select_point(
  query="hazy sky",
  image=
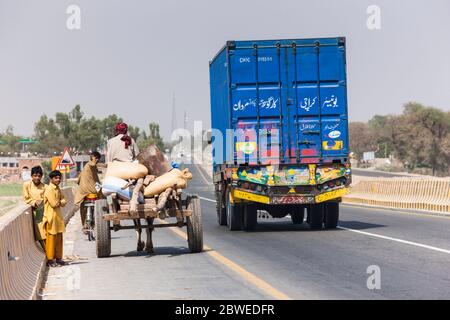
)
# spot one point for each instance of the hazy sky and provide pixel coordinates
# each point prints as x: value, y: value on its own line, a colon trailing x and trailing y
x: 130, y: 56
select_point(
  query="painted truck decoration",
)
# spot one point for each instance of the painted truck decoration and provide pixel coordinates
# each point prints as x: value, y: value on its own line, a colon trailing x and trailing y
x: 286, y: 104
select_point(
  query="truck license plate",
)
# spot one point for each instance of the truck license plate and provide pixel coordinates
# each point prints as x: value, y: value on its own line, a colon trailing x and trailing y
x: 292, y: 200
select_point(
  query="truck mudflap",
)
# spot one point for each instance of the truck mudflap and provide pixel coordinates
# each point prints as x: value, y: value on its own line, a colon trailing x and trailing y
x: 243, y: 195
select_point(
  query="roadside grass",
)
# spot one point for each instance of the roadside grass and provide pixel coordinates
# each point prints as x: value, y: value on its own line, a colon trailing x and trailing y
x: 10, y: 189
x: 10, y: 196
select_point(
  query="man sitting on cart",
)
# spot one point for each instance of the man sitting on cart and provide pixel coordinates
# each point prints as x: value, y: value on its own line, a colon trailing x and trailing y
x: 122, y: 147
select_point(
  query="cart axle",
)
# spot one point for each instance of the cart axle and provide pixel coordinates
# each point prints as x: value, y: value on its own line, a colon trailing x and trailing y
x: 168, y: 225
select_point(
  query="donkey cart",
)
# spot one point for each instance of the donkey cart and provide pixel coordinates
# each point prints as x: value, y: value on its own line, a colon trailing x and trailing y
x: 110, y: 212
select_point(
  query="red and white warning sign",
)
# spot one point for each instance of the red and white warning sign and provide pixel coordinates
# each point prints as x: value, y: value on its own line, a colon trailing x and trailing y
x: 65, y: 161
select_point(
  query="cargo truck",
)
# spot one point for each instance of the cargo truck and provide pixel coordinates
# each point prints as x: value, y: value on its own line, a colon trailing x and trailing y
x: 280, y: 131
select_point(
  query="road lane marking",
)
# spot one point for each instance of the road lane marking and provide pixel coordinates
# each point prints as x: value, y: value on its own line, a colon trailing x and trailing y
x: 249, y: 277
x: 207, y: 199
x: 420, y: 245
x: 398, y: 240
x: 202, y: 174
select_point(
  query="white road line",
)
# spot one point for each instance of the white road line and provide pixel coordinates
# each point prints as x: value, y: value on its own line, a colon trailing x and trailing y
x: 420, y: 245
x: 202, y: 174
x: 397, y: 240
x: 206, y: 199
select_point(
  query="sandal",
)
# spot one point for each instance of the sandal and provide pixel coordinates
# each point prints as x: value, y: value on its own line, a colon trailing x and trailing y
x: 52, y: 264
x: 61, y: 262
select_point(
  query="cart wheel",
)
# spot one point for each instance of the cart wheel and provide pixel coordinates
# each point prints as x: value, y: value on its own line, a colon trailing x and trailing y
x: 103, y: 233
x: 194, y: 226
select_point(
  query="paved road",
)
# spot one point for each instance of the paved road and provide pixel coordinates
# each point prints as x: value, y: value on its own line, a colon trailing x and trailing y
x: 381, y: 174
x: 278, y: 260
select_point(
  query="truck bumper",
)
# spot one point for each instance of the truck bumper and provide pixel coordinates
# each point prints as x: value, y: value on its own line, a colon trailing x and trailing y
x: 244, y: 195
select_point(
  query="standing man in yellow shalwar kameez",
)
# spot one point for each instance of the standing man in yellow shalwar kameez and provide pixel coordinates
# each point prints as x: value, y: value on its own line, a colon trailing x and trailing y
x: 33, y: 195
x: 53, y: 220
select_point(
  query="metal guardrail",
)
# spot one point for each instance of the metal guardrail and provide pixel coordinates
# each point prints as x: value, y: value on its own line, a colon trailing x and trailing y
x: 22, y: 260
x: 404, y: 193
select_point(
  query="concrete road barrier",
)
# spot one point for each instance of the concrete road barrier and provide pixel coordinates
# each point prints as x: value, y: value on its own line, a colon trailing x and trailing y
x: 405, y: 193
x: 22, y: 259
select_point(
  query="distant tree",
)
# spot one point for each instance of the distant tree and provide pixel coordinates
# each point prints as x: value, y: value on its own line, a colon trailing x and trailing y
x: 64, y: 124
x: 9, y: 142
x: 134, y: 132
x: 84, y: 134
x: 432, y: 128
x: 48, y: 136
x: 108, y: 125
x: 89, y: 135
x: 153, y: 137
x: 378, y: 125
x: 361, y: 138
x: 419, y: 137
x: 446, y: 150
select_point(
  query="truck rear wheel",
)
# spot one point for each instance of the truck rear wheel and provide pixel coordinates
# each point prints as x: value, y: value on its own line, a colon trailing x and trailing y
x: 221, y: 210
x: 250, y: 217
x: 298, y: 215
x: 234, y: 214
x: 315, y: 216
x: 102, y: 231
x: 331, y: 217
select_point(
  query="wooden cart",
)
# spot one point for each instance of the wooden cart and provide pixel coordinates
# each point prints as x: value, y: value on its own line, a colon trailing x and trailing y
x: 171, y: 204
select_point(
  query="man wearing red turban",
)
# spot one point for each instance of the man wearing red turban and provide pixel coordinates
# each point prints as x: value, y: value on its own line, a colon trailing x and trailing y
x: 122, y: 147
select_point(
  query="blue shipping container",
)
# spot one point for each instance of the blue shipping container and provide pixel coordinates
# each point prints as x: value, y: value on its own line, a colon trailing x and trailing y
x: 297, y: 87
